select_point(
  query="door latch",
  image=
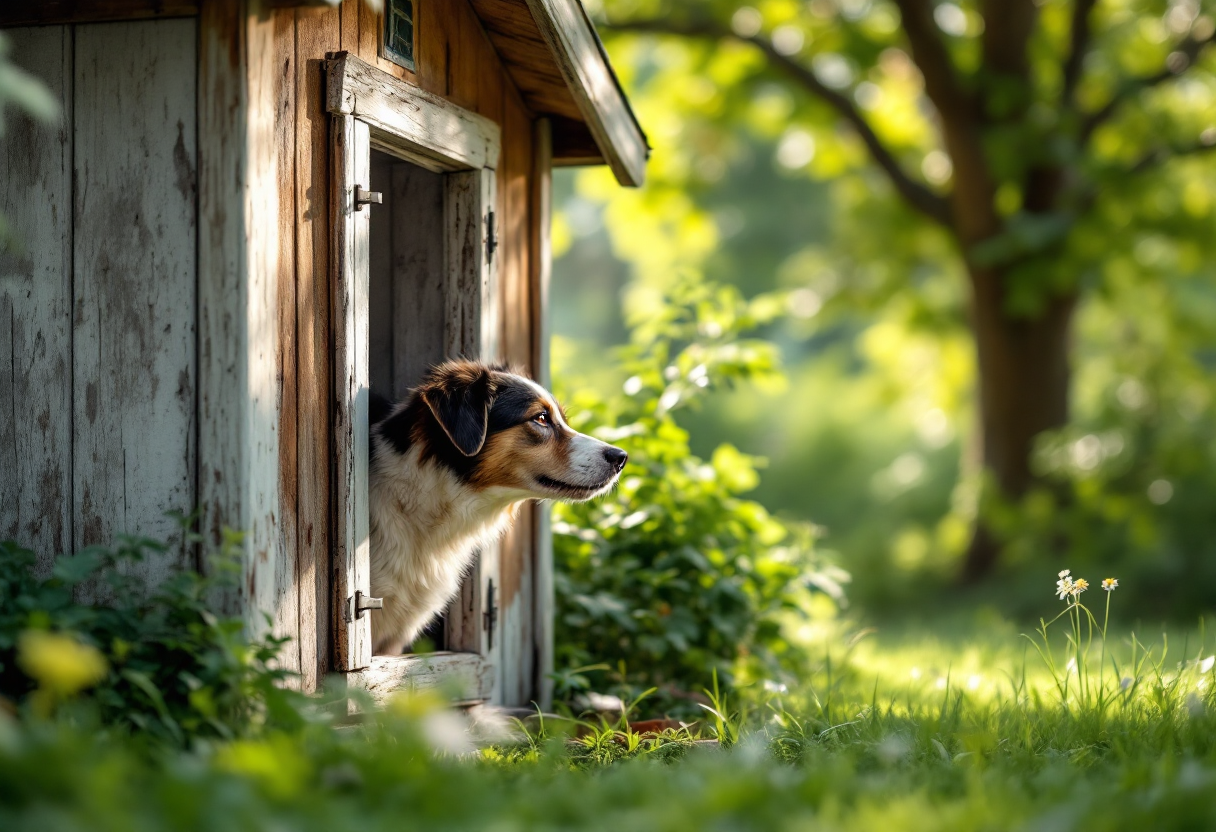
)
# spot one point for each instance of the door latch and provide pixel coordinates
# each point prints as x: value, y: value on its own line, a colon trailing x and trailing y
x: 491, y: 238
x: 364, y: 197
x: 360, y: 603
x: 489, y: 618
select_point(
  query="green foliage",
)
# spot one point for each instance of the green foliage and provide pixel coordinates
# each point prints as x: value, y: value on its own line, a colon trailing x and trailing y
x: 157, y: 663
x: 1128, y: 484
x: 838, y: 751
x: 757, y: 184
x: 676, y: 575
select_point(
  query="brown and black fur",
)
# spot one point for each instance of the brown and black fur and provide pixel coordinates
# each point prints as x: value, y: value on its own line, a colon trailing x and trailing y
x: 450, y: 464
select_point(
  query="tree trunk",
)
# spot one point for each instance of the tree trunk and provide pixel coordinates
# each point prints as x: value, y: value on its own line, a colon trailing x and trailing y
x: 1023, y: 385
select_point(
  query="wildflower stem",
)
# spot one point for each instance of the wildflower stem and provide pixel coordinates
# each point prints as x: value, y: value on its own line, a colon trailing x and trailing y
x: 1102, y: 662
x: 1076, y: 643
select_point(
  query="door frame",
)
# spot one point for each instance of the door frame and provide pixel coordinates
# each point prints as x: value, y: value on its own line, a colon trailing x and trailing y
x: 370, y: 108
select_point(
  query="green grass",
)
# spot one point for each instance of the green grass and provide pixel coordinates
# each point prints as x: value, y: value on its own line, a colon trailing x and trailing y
x: 956, y: 726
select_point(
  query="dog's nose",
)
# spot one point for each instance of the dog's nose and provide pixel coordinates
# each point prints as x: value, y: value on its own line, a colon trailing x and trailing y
x: 616, y: 457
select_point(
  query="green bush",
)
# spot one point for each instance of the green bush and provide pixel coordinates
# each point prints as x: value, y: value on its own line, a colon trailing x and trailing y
x: 675, y: 575
x: 844, y: 750
x: 158, y: 662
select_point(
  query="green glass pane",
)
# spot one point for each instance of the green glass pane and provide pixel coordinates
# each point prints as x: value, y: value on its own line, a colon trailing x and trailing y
x: 399, y: 32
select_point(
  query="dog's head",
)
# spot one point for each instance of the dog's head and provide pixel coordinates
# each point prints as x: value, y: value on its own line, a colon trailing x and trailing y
x: 499, y: 430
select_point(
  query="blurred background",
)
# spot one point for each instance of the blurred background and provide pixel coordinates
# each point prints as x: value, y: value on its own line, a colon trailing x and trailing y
x: 805, y: 298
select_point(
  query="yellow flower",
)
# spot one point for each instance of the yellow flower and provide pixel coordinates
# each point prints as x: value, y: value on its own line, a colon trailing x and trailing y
x: 58, y: 662
x: 1079, y: 586
x: 1110, y: 584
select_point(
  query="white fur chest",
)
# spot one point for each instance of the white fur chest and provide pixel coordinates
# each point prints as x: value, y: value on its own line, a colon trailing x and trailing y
x: 426, y: 526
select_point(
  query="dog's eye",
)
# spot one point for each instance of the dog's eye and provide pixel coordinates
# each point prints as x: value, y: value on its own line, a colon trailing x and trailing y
x: 542, y: 418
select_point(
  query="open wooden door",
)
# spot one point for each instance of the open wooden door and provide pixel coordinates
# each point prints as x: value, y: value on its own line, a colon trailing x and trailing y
x: 444, y: 305
x: 352, y: 571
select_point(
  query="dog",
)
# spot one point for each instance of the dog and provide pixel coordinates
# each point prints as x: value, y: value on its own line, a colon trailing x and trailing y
x: 450, y: 465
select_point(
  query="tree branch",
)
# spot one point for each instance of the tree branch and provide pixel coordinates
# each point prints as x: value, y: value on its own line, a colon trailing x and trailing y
x: 930, y: 56
x: 1008, y: 25
x: 914, y: 193
x: 1181, y: 58
x: 974, y: 214
x: 1155, y: 158
x: 1080, y: 35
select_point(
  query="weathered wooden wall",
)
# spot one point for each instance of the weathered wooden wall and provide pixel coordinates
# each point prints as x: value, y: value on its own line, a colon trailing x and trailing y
x: 238, y: 252
x: 166, y: 335
x: 98, y: 311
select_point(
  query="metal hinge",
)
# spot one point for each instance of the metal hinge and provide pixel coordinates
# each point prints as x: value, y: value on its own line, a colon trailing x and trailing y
x: 491, y: 238
x: 489, y: 618
x: 364, y: 197
x: 359, y: 603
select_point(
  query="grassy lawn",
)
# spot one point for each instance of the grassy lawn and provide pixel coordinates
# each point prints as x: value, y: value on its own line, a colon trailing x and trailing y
x: 955, y: 726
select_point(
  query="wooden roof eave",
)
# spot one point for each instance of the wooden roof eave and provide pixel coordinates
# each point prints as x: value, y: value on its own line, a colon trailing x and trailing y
x: 556, y: 59
x: 584, y: 65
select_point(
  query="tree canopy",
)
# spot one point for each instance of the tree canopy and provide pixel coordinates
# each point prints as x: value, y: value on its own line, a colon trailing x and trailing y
x: 967, y: 171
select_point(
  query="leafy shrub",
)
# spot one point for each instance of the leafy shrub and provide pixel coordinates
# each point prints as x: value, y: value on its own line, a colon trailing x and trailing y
x: 675, y: 575
x: 157, y: 662
x: 842, y: 752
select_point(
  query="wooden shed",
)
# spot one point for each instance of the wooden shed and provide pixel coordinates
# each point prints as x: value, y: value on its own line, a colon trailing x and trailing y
x: 250, y: 213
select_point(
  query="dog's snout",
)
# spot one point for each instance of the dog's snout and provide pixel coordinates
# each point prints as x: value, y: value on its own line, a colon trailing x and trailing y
x: 616, y: 457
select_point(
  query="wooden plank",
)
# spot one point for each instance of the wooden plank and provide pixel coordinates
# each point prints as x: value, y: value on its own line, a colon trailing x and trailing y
x: 381, y: 286
x: 571, y: 36
x: 472, y: 326
x: 36, y: 309
x: 514, y: 278
x: 472, y: 330
x: 135, y: 364
x: 526, y: 56
x: 287, y: 590
x: 369, y: 34
x: 419, y: 280
x: 489, y: 348
x: 540, y: 219
x: 544, y: 93
x: 491, y: 85
x: 465, y: 678
x: 352, y: 149
x: 221, y: 233
x: 48, y: 12
x: 465, y: 253
x: 317, y: 34
x: 261, y: 429
x: 432, y: 37
x: 513, y: 631
x: 510, y: 18
x: 238, y: 271
x: 349, y: 11
x: 469, y: 54
x: 410, y: 122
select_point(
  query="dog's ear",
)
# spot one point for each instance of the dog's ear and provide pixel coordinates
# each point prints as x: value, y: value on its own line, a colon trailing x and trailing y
x: 459, y: 396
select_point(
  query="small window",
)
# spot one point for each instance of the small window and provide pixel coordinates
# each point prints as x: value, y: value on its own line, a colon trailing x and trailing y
x: 399, y: 33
